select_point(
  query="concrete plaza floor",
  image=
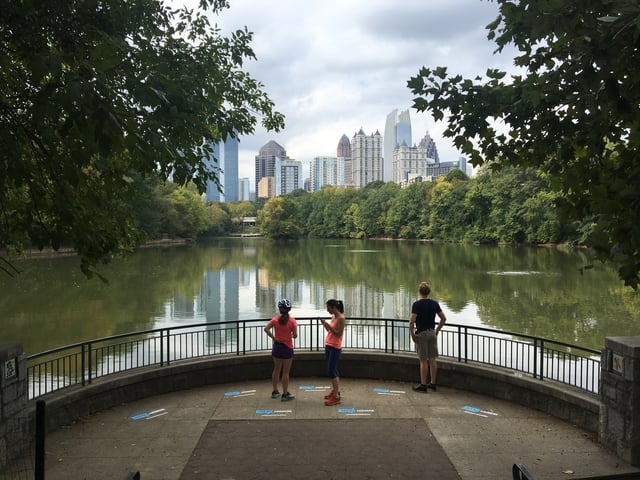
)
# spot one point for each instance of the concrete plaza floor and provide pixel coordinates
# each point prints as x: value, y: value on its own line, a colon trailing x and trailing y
x: 380, y: 430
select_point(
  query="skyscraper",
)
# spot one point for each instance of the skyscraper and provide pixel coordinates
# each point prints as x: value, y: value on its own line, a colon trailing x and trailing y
x: 344, y: 152
x: 288, y: 175
x: 428, y: 143
x: 276, y: 174
x: 397, y: 132
x: 226, y: 167
x: 409, y: 162
x: 327, y: 171
x: 266, y: 160
x: 366, y: 154
x: 244, y: 189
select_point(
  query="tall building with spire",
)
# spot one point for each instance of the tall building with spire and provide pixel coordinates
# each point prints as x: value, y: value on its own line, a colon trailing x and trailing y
x: 430, y: 147
x: 344, y: 147
x: 344, y: 151
x: 397, y: 132
x: 366, y: 154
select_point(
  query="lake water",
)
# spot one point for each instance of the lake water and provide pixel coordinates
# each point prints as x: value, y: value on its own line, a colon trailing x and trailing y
x: 537, y: 291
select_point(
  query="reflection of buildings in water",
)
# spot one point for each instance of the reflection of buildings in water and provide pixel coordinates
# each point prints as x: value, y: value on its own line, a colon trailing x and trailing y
x: 320, y: 295
x: 366, y: 302
x: 400, y: 303
x: 181, y: 308
x: 268, y: 293
x: 360, y: 300
x: 245, y: 278
x: 218, y: 298
x: 265, y: 296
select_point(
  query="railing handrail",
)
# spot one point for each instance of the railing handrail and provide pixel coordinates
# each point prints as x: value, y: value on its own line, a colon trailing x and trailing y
x: 233, y: 322
x: 81, y: 362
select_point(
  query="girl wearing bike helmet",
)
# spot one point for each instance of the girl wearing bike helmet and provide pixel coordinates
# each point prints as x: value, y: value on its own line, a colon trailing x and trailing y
x: 282, y: 329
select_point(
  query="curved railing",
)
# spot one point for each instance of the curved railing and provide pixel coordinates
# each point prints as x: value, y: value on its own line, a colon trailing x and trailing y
x: 81, y: 363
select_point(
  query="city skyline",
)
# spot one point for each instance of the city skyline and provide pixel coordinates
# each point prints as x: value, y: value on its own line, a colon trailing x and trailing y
x: 334, y: 67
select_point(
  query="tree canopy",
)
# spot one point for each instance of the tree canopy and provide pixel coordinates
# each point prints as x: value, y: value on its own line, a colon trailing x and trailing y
x: 573, y: 113
x: 93, y: 92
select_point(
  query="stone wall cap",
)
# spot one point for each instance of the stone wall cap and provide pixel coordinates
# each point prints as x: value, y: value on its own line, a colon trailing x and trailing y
x: 628, y: 346
x: 10, y: 350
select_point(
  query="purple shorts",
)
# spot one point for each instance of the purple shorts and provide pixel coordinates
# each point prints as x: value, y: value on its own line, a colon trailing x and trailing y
x: 280, y: 350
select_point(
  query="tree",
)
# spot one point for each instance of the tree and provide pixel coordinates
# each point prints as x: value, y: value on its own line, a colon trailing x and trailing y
x: 573, y: 113
x: 447, y: 219
x: 408, y: 213
x: 92, y: 93
x: 187, y: 216
x: 277, y: 219
x: 218, y: 218
x: 378, y: 198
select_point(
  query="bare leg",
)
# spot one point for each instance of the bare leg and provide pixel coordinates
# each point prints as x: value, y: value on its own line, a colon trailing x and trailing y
x: 335, y: 382
x: 433, y: 370
x: 424, y: 369
x: 286, y: 367
x: 275, y: 376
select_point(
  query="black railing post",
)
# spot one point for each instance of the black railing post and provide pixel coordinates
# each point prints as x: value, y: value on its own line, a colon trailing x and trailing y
x: 238, y: 338
x: 466, y: 345
x: 161, y: 348
x: 90, y: 361
x: 386, y: 337
x: 541, y: 359
x: 82, y: 354
x: 40, y: 431
x: 244, y: 338
x: 394, y: 329
x: 168, y: 346
x: 535, y: 357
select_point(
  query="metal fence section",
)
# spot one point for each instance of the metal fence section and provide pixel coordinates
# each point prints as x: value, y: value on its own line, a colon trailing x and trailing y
x: 80, y: 363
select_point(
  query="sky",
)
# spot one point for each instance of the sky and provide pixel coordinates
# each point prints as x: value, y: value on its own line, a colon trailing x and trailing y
x: 335, y: 66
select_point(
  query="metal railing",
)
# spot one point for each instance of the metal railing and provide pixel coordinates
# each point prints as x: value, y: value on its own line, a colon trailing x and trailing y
x: 81, y: 363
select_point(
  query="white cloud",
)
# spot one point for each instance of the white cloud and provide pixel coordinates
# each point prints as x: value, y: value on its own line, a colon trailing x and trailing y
x: 334, y: 66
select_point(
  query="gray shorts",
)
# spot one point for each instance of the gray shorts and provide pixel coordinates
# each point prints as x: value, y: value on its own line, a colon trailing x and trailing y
x: 427, y: 344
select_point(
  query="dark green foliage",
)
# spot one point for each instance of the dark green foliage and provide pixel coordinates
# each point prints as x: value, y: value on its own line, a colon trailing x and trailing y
x: 95, y: 94
x: 572, y: 114
x: 278, y: 218
x: 507, y: 206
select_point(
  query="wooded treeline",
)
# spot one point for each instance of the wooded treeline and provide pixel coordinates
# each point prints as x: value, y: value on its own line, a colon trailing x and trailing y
x: 507, y: 206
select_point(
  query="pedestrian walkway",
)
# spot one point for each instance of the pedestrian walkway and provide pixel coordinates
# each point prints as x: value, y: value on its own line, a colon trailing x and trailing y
x: 380, y: 430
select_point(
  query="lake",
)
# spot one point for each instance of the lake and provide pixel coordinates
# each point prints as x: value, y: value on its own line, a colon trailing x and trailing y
x: 537, y: 291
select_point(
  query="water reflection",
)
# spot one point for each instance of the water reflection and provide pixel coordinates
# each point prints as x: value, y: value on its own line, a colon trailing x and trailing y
x: 527, y: 290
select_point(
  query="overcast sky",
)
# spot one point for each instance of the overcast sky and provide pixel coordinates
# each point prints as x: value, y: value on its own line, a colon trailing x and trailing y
x: 334, y: 66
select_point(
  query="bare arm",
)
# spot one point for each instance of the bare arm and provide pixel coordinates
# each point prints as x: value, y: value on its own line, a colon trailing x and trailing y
x: 443, y: 320
x: 267, y: 329
x: 412, y: 326
x: 339, y: 328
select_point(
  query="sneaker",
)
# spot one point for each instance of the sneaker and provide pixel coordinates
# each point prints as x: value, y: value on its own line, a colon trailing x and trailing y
x: 275, y: 394
x: 332, y: 401
x: 421, y: 388
x: 330, y: 395
x: 431, y: 386
x: 287, y: 396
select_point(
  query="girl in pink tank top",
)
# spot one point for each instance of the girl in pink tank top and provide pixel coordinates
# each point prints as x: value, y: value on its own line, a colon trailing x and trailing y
x: 333, y: 347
